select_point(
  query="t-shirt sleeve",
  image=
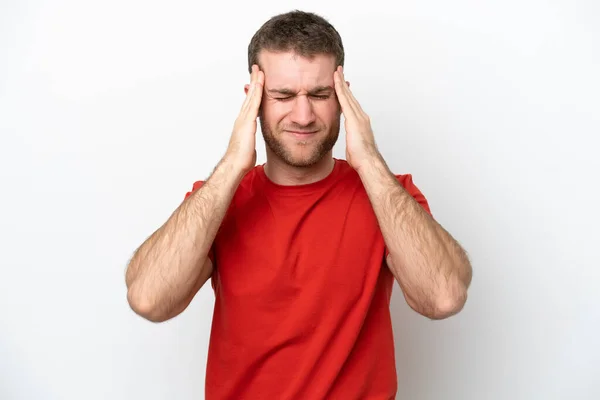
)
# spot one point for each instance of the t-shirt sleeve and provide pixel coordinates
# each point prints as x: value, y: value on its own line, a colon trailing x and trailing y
x: 407, y: 183
x: 197, y: 185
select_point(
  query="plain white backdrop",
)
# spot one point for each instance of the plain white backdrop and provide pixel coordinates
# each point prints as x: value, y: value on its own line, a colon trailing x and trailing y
x: 109, y: 111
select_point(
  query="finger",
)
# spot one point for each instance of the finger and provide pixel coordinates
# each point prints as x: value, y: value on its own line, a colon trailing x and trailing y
x: 257, y: 93
x: 246, y: 102
x: 342, y: 93
x: 351, y: 99
x: 352, y: 103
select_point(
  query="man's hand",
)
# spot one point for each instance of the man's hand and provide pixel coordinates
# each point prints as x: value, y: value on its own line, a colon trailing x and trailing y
x: 242, y: 145
x: 360, y: 141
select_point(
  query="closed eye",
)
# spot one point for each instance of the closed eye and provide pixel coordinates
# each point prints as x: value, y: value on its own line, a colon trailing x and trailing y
x: 314, y: 96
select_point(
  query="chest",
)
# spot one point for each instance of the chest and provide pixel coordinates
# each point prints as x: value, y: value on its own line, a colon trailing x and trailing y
x: 286, y: 247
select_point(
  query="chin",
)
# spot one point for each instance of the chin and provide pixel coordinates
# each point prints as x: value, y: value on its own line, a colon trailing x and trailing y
x: 299, y: 153
x: 301, y: 160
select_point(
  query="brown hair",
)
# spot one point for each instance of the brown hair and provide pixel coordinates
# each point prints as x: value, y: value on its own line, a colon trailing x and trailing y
x: 306, y: 34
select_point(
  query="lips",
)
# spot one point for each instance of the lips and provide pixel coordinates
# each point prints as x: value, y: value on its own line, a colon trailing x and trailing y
x: 302, y: 134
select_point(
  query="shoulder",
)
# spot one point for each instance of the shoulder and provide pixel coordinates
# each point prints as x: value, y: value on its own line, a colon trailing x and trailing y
x: 247, y: 183
x: 406, y: 180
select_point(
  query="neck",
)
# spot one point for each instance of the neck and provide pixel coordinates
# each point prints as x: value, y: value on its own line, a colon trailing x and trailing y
x: 284, y: 174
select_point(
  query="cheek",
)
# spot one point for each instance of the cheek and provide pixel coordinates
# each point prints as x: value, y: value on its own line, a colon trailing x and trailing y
x: 275, y: 109
x: 327, y: 110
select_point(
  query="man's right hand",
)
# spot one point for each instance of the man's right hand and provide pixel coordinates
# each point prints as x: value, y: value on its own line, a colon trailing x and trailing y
x: 169, y: 268
x: 242, y: 145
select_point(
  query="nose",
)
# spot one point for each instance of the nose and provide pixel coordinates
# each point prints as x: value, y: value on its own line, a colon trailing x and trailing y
x: 302, y: 111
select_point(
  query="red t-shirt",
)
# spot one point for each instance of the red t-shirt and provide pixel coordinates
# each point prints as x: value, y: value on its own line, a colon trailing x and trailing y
x: 302, y: 293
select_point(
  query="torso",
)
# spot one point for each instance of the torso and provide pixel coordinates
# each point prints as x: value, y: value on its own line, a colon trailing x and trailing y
x: 302, y: 294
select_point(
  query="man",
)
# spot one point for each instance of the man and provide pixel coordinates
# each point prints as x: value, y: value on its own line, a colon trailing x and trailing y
x: 302, y: 251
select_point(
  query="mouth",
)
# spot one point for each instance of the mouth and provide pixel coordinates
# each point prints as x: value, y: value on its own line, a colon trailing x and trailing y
x: 302, y: 134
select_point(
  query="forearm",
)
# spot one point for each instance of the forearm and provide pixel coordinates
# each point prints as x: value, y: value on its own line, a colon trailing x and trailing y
x: 430, y: 266
x: 166, y: 268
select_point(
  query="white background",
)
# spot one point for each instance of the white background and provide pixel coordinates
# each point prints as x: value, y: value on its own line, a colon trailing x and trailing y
x: 110, y: 110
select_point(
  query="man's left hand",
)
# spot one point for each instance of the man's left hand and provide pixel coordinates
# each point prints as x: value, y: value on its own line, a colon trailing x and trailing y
x: 360, y: 141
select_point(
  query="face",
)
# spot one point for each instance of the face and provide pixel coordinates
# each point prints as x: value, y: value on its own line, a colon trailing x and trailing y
x: 300, y: 113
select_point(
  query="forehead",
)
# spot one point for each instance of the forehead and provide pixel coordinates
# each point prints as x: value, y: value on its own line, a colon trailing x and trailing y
x: 290, y: 70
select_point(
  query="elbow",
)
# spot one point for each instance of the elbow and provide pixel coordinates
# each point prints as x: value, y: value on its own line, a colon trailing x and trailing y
x: 443, y: 305
x: 448, y: 305
x: 144, y: 307
x: 451, y: 300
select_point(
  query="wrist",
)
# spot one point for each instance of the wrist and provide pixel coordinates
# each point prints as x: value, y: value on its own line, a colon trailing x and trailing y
x: 231, y: 167
x: 373, y: 164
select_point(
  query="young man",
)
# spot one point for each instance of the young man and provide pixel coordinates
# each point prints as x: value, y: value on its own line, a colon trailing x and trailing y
x: 302, y: 251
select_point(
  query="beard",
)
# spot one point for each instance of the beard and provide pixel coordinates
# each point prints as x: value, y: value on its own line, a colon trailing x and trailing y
x: 313, y: 150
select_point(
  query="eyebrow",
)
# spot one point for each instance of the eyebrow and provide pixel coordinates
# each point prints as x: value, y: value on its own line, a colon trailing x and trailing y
x: 289, y: 92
